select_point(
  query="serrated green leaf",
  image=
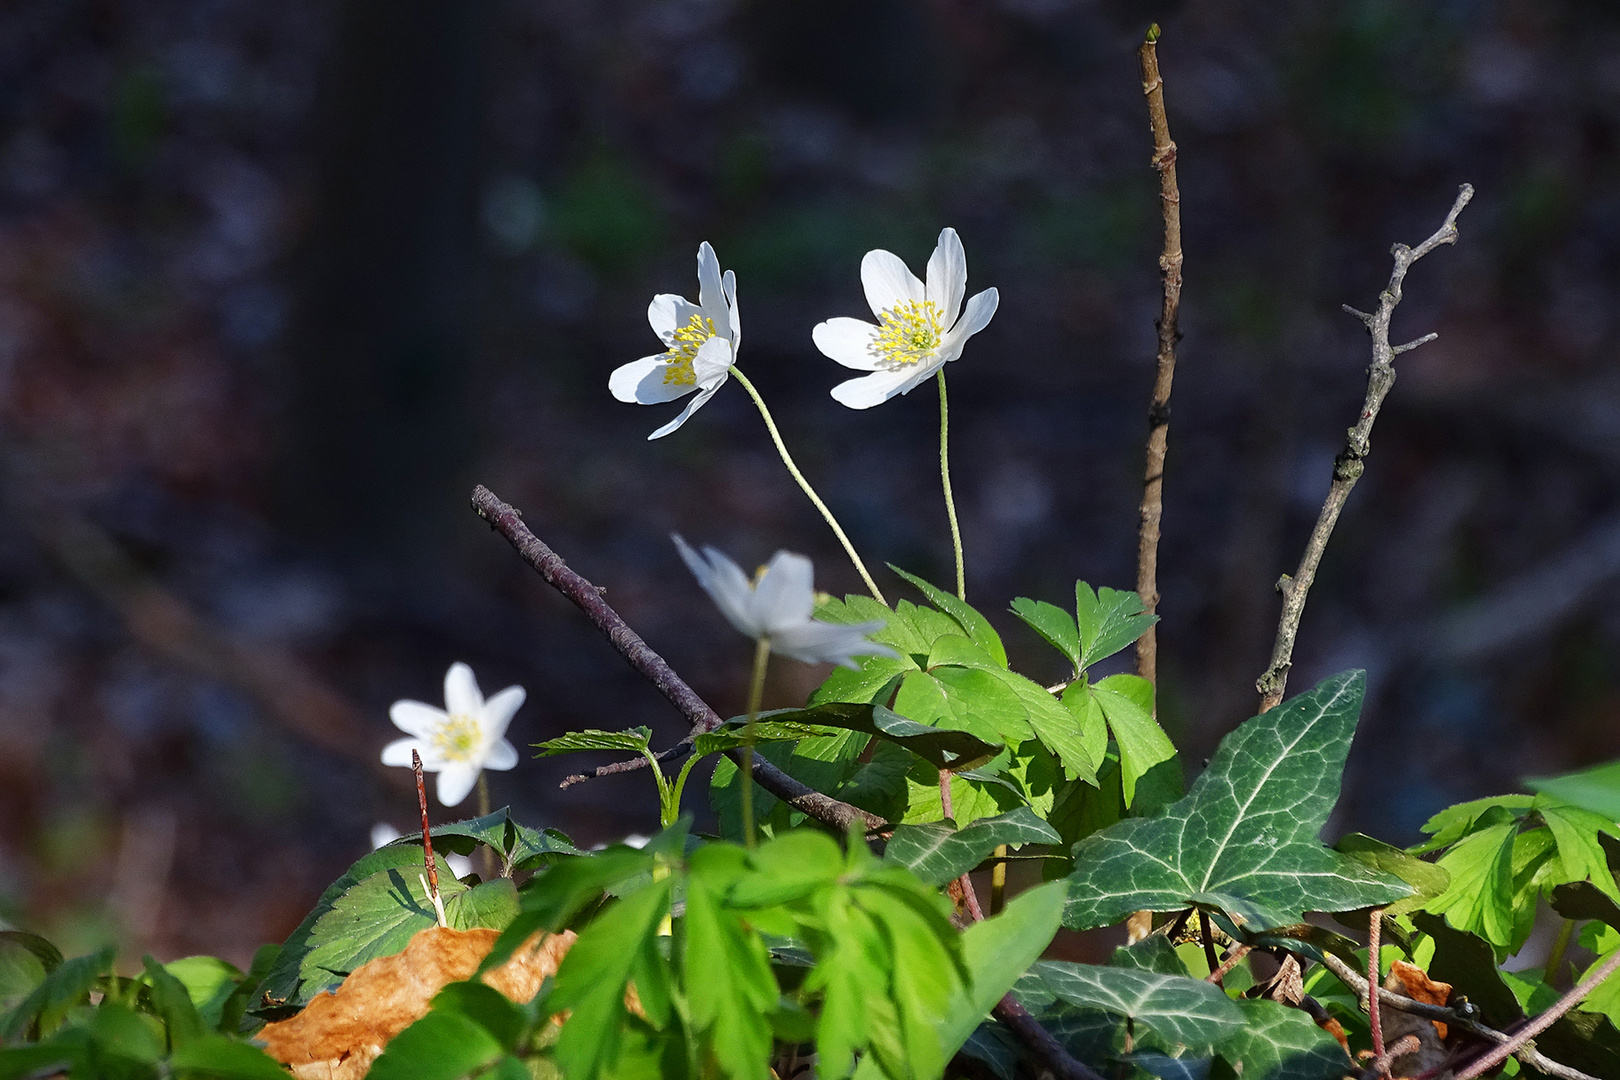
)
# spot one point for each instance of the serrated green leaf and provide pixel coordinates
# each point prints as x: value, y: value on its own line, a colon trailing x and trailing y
x: 966, y: 699
x: 492, y: 904
x: 1279, y: 1043
x: 789, y: 868
x: 633, y: 741
x: 1452, y: 823
x: 957, y: 650
x: 1479, y: 898
x: 872, y: 683
x: 1108, y: 620
x: 1127, y: 702
x: 280, y: 994
x: 1183, y: 1011
x: 442, y: 1045
x: 1581, y: 857
x: 216, y: 1057
x: 1052, y: 623
x: 1427, y: 879
x: 974, y: 795
x: 172, y: 1004
x: 553, y: 898
x: 730, y: 989
x: 520, y: 846
x: 942, y: 747
x: 975, y: 625
x: 937, y: 853
x: 1078, y: 745
x: 733, y: 733
x: 66, y: 986
x: 1596, y: 789
x: 1248, y: 829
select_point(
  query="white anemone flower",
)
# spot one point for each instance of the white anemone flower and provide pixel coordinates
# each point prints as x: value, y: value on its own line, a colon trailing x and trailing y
x: 921, y: 326
x: 700, y: 342
x: 777, y: 607
x: 459, y: 740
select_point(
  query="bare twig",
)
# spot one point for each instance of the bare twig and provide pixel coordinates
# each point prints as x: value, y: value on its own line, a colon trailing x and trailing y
x: 1375, y: 926
x: 1010, y: 1012
x: 1349, y: 465
x: 1379, y: 1066
x: 548, y: 564
x: 1233, y: 958
x: 1522, y: 1037
x: 674, y: 753
x: 1147, y: 547
x: 431, y: 882
x: 1527, y: 1054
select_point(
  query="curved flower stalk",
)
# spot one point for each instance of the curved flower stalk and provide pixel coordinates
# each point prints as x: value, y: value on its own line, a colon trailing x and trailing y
x: 921, y: 326
x: 775, y: 609
x: 460, y: 740
x: 700, y: 343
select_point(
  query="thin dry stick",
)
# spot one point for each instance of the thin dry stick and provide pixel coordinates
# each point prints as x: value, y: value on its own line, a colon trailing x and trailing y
x: 1375, y: 926
x: 1541, y: 1023
x: 506, y: 520
x: 1351, y: 462
x: 1527, y: 1054
x: 1147, y: 545
x: 431, y: 882
x: 1232, y: 960
x: 1379, y: 1067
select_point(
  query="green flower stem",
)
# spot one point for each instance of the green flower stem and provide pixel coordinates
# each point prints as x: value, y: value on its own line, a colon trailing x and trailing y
x: 945, y: 480
x: 483, y: 794
x: 787, y: 459
x: 1555, y: 958
x: 486, y: 855
x: 756, y: 693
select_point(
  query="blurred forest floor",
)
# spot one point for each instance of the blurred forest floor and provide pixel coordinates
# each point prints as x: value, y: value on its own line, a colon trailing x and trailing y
x: 280, y: 281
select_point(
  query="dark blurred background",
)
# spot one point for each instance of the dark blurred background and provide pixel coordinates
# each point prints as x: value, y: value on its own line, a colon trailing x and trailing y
x: 279, y: 282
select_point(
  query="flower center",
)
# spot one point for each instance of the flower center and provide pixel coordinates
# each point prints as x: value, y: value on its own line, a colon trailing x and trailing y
x: 457, y: 738
x: 908, y: 333
x: 683, y: 349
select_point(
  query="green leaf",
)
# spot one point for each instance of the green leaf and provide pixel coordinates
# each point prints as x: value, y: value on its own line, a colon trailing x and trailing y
x: 1153, y: 953
x: 1580, y: 855
x: 1108, y: 620
x: 172, y: 1004
x: 967, y: 699
x: 633, y: 741
x: 25, y: 960
x: 1454, y: 822
x: 996, y: 951
x: 729, y: 986
x: 1079, y: 746
x: 376, y: 917
x: 554, y: 897
x: 247, y: 991
x: 734, y: 733
x: 281, y: 992
x: 789, y: 868
x: 1583, y: 900
x: 942, y: 747
x: 1183, y: 1011
x: 1052, y: 623
x: 937, y: 853
x: 520, y: 847
x: 1596, y: 789
x: 219, y: 1058
x: 1127, y: 702
x: 1468, y: 963
x: 442, y: 1045
x: 1279, y: 1043
x: 974, y: 795
x: 66, y: 986
x: 209, y: 983
x: 1247, y: 830
x: 1427, y: 879
x: 1480, y: 896
x: 48, y: 955
x: 485, y: 1006
x: 975, y: 625
x: 493, y: 904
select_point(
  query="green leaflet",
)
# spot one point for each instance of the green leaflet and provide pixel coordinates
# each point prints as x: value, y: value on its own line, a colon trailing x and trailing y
x: 1105, y: 621
x: 1596, y: 789
x: 519, y: 846
x: 1126, y: 702
x: 1248, y: 830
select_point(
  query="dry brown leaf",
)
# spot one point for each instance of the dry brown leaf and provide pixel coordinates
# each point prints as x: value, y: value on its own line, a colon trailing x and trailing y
x: 339, y: 1035
x: 1413, y: 982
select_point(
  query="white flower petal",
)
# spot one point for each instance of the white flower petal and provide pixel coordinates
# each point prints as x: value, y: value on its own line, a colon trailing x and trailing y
x: 455, y: 781
x: 461, y: 694
x: 398, y: 752
x: 667, y: 312
x: 641, y: 382
x: 729, y: 284
x: 712, y: 363
x: 975, y: 317
x: 702, y: 399
x: 815, y: 642
x: 848, y: 341
x: 383, y: 833
x: 887, y: 281
x: 501, y: 756
x: 947, y: 274
x: 499, y: 709
x: 926, y: 371
x: 415, y: 718
x: 725, y: 583
x: 870, y: 390
x: 785, y: 596
x: 711, y: 290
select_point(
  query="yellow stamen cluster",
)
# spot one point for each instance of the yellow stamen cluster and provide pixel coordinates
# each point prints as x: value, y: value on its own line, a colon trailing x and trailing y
x: 909, y: 333
x: 683, y: 350
x: 457, y: 738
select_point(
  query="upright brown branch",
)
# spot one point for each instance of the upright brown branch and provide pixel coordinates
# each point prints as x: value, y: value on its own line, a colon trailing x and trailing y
x: 1147, y: 544
x: 506, y: 520
x: 1351, y: 462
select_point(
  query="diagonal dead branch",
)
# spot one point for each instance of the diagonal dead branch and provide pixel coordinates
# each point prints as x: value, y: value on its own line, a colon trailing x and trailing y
x: 506, y: 520
x: 1351, y: 462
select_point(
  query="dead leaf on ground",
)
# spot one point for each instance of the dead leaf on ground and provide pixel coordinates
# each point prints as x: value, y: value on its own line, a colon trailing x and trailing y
x: 339, y: 1035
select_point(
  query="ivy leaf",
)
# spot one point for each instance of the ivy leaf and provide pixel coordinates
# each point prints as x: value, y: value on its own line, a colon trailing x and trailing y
x: 634, y: 741
x: 1427, y: 879
x: 936, y: 853
x: 1247, y: 830
x: 1596, y: 789
x: 1279, y: 1043
x: 1182, y: 1011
